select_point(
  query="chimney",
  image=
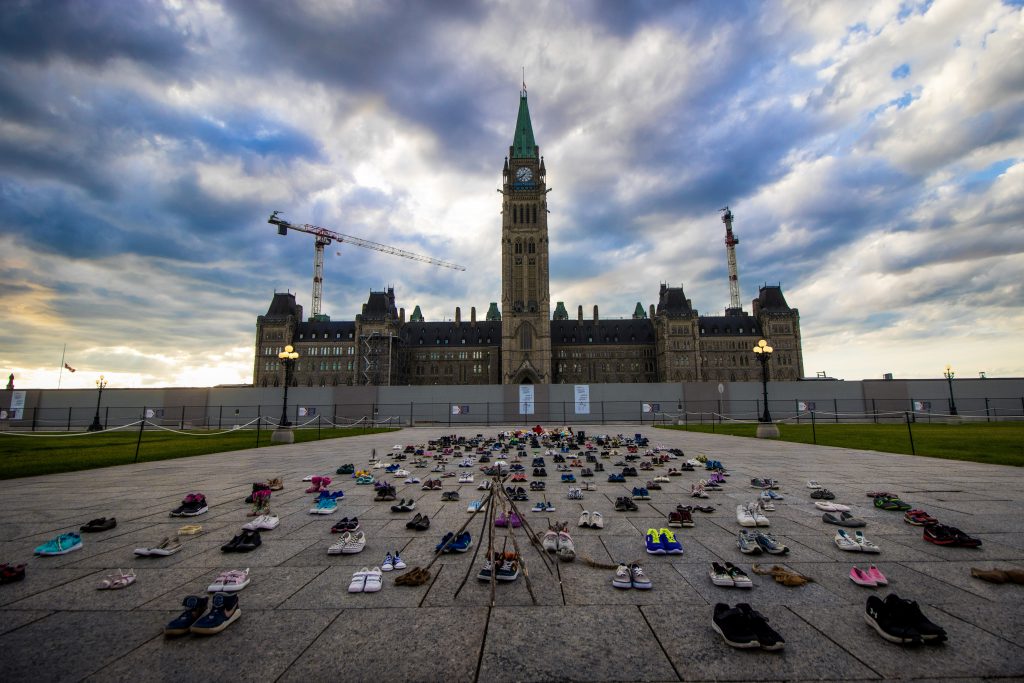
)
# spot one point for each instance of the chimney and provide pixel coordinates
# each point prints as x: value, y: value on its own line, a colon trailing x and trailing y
x: 472, y: 314
x: 579, y: 314
x: 595, y: 313
x: 458, y: 315
x: 401, y: 315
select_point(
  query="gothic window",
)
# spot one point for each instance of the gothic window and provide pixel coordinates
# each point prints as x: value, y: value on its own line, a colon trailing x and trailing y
x: 519, y: 247
x: 531, y: 247
x: 534, y: 213
x: 525, y: 338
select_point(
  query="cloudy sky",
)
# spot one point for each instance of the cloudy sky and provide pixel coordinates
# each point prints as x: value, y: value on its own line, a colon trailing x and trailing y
x: 872, y: 153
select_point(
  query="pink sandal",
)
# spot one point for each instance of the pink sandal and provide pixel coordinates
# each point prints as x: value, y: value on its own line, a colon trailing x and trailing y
x: 862, y: 578
x: 315, y: 487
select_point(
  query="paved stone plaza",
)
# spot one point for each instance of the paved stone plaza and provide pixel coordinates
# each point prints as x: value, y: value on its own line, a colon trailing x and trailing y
x: 299, y: 623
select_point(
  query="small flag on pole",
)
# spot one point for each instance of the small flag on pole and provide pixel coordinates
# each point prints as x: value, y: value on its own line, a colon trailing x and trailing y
x: 69, y: 367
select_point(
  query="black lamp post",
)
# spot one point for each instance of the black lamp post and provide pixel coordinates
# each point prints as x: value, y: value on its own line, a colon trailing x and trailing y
x: 948, y: 374
x: 287, y: 357
x: 101, y: 383
x: 763, y: 353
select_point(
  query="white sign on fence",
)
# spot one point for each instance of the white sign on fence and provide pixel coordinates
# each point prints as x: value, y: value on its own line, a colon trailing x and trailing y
x: 460, y: 410
x: 652, y: 407
x: 304, y: 412
x: 526, y: 399
x: 583, y: 399
x: 17, y: 404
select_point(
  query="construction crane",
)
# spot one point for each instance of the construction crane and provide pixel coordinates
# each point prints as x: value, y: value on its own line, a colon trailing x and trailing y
x: 323, y: 237
x: 730, y: 248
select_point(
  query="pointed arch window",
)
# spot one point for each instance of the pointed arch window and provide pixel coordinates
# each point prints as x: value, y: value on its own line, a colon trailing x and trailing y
x: 518, y: 247
x: 531, y: 247
x: 534, y: 213
x: 525, y: 338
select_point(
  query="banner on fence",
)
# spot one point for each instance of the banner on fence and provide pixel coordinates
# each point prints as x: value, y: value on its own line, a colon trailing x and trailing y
x: 17, y: 404
x: 460, y: 410
x: 652, y: 407
x: 922, y: 406
x: 526, y: 399
x: 306, y: 412
x: 806, y: 406
x: 582, y: 393
x: 154, y: 412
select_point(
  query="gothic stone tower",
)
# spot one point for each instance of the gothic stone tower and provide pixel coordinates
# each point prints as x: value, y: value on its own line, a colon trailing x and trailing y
x: 525, y: 301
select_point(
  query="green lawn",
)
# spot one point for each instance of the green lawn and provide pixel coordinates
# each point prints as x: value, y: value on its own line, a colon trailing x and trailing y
x: 25, y: 456
x: 1000, y: 443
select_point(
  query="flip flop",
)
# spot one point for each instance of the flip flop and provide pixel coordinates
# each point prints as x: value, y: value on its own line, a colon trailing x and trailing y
x: 117, y: 581
x: 190, y: 529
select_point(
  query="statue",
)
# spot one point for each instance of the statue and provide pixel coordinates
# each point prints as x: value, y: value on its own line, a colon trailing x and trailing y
x: 10, y: 382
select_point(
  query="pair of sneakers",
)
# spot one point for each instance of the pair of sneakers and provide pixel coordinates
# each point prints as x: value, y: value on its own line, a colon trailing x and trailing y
x: 663, y: 542
x: 744, y: 627
x: 543, y: 506
x: 223, y: 612
x: 366, y: 580
x: 901, y: 621
x: 631, y: 576
x: 757, y: 542
x: 750, y: 514
x: 349, y: 544
x: 855, y: 542
x: 262, y: 523
x: 593, y: 520
x: 392, y: 561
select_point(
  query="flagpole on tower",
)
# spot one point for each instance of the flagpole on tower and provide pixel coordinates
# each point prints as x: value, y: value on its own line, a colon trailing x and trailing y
x: 61, y: 375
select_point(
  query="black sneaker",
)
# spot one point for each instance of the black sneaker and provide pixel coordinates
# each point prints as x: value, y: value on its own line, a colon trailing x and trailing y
x: 910, y: 612
x: 893, y: 625
x: 734, y: 626
x: 508, y: 571
x: 768, y: 637
x: 194, y: 608
x: 232, y: 545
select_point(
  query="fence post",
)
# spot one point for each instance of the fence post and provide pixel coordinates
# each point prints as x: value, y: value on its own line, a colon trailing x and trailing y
x: 796, y: 406
x: 181, y: 422
x: 602, y: 409
x: 757, y: 409
x: 488, y: 404
x: 874, y: 410
x: 563, y: 413
x: 318, y: 426
x: 142, y: 425
x: 835, y: 405
x: 35, y: 414
x: 911, y: 433
x: 220, y: 417
x: 814, y: 433
x: 987, y: 415
x: 259, y: 419
x: 106, y: 418
x: 69, y: 418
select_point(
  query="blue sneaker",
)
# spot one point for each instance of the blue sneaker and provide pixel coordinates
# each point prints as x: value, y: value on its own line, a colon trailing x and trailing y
x: 669, y: 542
x: 462, y: 543
x: 194, y: 608
x: 224, y: 612
x: 62, y: 545
x: 654, y: 546
x: 444, y: 540
x: 638, y: 493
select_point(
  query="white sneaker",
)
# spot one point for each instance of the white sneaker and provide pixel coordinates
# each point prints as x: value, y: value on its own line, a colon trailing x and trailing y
x: 550, y: 541
x: 623, y: 578
x: 358, y: 583
x: 744, y: 516
x: 388, y: 564
x: 759, y: 517
x: 399, y: 563
x: 374, y: 581
x: 596, y: 520
x: 811, y: 484
x: 338, y: 547
x: 584, y: 519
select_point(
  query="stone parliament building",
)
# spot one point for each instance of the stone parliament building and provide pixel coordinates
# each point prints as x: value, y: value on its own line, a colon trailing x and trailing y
x: 525, y: 342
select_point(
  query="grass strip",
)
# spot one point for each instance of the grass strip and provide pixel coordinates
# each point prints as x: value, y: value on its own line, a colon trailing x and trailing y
x: 27, y: 456
x: 998, y: 443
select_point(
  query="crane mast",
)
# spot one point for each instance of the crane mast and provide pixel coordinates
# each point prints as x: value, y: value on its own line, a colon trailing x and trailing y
x: 324, y: 237
x: 730, y: 249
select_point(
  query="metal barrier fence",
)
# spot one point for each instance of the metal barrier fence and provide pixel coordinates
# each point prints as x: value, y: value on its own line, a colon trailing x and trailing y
x: 221, y: 417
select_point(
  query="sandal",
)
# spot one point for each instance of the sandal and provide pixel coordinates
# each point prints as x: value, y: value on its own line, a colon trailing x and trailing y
x: 115, y: 581
x: 190, y: 529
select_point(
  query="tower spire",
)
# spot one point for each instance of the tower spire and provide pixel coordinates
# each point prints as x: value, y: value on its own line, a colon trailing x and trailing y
x: 523, y: 144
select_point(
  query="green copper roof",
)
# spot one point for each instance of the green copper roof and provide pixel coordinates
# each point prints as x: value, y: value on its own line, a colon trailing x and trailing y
x: 416, y: 317
x: 560, y: 312
x: 492, y: 312
x: 523, y: 144
x: 638, y: 312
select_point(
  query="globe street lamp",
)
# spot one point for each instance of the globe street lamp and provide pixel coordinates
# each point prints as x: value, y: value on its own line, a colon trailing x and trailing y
x: 101, y: 383
x: 948, y: 374
x: 765, y: 428
x: 283, y: 433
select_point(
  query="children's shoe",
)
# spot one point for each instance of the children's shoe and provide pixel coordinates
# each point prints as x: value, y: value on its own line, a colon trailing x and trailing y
x: 224, y: 612
x: 669, y: 542
x: 194, y: 606
x: 397, y: 561
x: 862, y: 578
x: 640, y: 580
x: 877, y: 576
x: 654, y: 545
x: 623, y: 577
x: 388, y: 564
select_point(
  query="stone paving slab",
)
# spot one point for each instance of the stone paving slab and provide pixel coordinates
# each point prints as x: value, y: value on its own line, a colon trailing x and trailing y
x: 299, y: 612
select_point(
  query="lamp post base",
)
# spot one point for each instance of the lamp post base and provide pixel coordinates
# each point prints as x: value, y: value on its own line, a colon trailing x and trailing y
x: 95, y: 426
x: 282, y: 435
x: 767, y: 430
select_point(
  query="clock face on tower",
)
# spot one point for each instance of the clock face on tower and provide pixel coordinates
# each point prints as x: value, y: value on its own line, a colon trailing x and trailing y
x: 524, y: 174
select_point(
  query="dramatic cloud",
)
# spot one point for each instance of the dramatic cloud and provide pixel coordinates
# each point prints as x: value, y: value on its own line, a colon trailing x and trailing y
x: 872, y: 152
